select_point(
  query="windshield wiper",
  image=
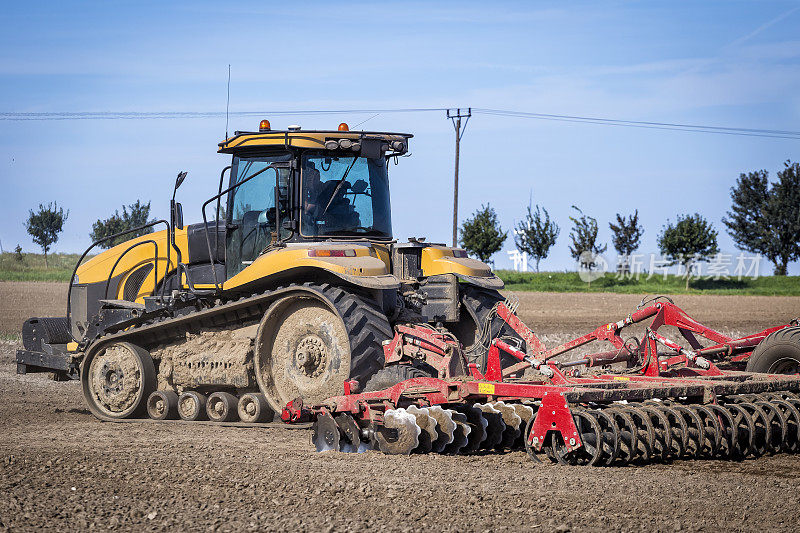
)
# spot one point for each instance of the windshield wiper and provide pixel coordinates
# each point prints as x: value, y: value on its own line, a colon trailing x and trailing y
x: 338, y: 186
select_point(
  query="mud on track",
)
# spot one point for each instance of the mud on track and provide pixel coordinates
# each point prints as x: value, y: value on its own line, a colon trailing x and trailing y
x: 61, y: 468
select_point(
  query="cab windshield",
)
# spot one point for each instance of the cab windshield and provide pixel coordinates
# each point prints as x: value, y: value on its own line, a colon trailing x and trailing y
x: 345, y: 196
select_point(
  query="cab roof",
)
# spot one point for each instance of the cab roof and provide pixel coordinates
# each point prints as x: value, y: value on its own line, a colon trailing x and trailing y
x: 285, y: 139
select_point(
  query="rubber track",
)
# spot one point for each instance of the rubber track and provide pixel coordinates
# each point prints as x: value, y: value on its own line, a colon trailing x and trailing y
x: 366, y: 324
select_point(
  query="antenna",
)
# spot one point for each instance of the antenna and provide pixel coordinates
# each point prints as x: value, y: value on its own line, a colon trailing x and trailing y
x: 228, y: 102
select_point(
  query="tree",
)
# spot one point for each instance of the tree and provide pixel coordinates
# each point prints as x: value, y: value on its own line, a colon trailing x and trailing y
x: 584, y: 236
x: 138, y: 216
x: 766, y: 220
x: 783, y: 213
x: 690, y: 240
x: 627, y: 233
x: 482, y: 235
x: 45, y: 225
x: 536, y: 234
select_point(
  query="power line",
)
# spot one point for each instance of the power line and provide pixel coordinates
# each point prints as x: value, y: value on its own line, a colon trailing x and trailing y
x: 603, y: 121
x: 747, y: 132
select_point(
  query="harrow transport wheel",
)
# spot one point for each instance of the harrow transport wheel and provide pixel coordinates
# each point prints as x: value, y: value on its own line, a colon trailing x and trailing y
x: 392, y: 375
x: 192, y: 406
x: 117, y: 380
x: 325, y: 434
x: 253, y: 408
x: 163, y: 405
x: 222, y: 407
x: 778, y: 353
x: 313, y: 340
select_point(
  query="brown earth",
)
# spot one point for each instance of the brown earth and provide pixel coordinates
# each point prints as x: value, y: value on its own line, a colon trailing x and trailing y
x: 61, y: 468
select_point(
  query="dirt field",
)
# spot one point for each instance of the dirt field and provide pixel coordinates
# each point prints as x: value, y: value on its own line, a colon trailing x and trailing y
x: 61, y: 468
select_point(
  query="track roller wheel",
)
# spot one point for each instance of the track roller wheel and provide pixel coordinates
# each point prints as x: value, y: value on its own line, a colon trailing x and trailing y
x: 350, y: 434
x: 163, y: 405
x: 117, y: 379
x: 192, y: 406
x: 325, y: 434
x: 399, y: 434
x: 253, y: 408
x: 222, y: 407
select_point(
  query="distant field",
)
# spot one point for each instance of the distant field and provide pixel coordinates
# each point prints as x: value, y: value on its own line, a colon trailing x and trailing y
x: 570, y: 282
x: 31, y: 268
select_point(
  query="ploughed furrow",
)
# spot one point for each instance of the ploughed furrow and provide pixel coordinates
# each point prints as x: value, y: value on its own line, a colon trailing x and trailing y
x: 737, y: 427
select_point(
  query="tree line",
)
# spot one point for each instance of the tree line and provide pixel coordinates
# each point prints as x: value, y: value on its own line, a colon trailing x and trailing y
x: 764, y: 218
x: 45, y: 224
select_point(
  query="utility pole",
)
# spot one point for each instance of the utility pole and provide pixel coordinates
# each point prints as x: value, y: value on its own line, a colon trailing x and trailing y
x: 455, y: 118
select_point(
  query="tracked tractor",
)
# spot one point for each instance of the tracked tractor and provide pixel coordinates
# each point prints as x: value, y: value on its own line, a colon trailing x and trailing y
x: 288, y: 287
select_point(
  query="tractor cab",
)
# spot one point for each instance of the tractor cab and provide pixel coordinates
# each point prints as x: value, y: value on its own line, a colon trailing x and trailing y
x: 298, y: 186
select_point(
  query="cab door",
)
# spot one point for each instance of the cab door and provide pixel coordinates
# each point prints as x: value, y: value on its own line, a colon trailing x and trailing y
x: 252, y: 220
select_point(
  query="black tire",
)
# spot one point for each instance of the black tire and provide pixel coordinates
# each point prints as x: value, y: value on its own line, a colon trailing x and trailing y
x: 392, y: 375
x: 362, y: 321
x: 117, y: 379
x: 222, y: 407
x: 476, y: 305
x: 192, y: 406
x: 163, y: 405
x: 778, y: 353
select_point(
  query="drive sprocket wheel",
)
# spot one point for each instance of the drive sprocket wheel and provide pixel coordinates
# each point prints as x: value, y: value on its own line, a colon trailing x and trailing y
x: 312, y: 340
x: 117, y: 379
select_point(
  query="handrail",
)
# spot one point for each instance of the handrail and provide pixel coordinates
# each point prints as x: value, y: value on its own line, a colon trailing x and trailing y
x: 155, y: 266
x: 217, y: 196
x: 89, y: 249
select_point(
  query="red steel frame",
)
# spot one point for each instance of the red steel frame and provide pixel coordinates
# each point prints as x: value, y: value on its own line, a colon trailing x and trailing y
x: 681, y: 372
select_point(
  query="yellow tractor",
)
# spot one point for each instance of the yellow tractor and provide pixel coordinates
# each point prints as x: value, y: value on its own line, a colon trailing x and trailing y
x: 288, y: 288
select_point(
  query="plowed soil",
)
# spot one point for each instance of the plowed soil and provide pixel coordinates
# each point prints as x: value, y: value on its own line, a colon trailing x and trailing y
x: 60, y: 468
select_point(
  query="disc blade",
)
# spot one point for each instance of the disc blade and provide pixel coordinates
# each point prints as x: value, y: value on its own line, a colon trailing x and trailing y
x: 325, y: 433
x: 399, y: 434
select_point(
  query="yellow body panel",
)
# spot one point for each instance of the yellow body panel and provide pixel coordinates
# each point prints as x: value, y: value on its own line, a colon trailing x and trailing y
x: 438, y: 260
x: 98, y: 268
x: 366, y: 262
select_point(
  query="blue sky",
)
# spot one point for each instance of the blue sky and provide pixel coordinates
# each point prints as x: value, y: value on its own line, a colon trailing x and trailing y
x: 720, y: 63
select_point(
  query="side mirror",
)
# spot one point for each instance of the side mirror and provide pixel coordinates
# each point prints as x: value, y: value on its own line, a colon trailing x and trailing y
x: 178, y: 215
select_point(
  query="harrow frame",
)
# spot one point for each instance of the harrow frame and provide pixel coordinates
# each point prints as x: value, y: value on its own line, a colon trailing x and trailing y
x: 674, y: 386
